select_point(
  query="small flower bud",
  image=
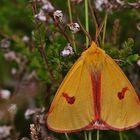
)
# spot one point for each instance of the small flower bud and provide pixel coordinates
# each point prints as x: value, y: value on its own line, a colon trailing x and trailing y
x: 47, y: 7
x: 58, y: 15
x: 67, y: 50
x: 100, y: 4
x: 138, y: 62
x: 74, y: 27
x: 13, y: 71
x: 10, y: 56
x: 29, y: 113
x: 5, y: 43
x: 5, y: 94
x: 25, y: 39
x: 40, y: 16
x: 5, y: 131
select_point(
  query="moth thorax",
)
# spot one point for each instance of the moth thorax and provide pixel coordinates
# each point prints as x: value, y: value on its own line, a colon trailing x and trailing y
x: 95, y: 58
x: 96, y: 67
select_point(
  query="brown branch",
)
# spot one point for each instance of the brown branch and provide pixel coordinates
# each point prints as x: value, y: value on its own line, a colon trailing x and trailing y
x: 41, y: 48
x: 44, y: 56
x: 83, y: 29
x: 64, y: 33
x: 57, y: 24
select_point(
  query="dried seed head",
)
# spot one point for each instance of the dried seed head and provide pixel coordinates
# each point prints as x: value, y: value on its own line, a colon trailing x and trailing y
x: 58, y: 16
x: 67, y: 50
x: 34, y: 132
x: 74, y: 27
x: 40, y: 16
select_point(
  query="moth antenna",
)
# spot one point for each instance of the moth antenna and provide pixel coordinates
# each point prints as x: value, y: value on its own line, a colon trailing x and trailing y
x: 98, y: 31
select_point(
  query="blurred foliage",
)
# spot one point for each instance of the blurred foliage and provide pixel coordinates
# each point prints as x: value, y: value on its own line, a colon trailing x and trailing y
x: 38, y: 77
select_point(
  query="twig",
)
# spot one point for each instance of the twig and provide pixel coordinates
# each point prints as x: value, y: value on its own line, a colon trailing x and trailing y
x: 71, y: 21
x: 98, y: 31
x: 43, y: 54
x: 83, y: 29
x: 61, y: 29
x: 95, y: 21
x: 64, y: 33
x: 104, y: 29
x: 92, y: 14
x: 41, y: 48
x: 86, y: 21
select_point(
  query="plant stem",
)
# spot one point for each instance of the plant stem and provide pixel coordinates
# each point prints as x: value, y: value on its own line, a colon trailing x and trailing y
x: 89, y: 135
x: 44, y: 56
x: 104, y: 29
x: 41, y: 47
x: 86, y: 21
x: 71, y: 20
x: 83, y: 29
x: 120, y: 135
x: 85, y: 135
x: 98, y: 134
x: 92, y: 13
x: 64, y: 33
x: 70, y: 11
x: 67, y: 137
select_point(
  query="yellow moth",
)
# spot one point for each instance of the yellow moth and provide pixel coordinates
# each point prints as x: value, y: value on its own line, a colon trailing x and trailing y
x: 95, y: 94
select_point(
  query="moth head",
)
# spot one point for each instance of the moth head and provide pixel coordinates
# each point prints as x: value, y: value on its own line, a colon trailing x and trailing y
x: 94, y: 57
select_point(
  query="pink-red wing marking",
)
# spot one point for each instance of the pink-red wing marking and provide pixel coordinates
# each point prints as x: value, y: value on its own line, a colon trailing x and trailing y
x: 121, y: 94
x: 96, y: 91
x: 69, y: 100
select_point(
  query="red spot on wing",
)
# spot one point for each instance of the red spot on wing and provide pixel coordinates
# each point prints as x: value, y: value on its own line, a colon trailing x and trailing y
x: 70, y: 100
x: 121, y: 94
